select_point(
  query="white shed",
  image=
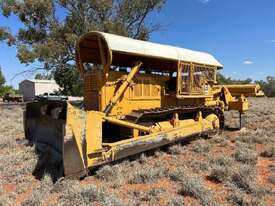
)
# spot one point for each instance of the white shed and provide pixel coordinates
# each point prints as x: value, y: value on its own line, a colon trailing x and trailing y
x: 31, y: 88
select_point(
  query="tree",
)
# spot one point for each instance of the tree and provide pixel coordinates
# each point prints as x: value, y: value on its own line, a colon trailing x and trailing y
x: 223, y: 80
x: 2, y: 79
x: 64, y: 77
x: 6, y: 36
x: 49, y: 38
x: 42, y: 76
x: 3, y: 88
x: 268, y: 86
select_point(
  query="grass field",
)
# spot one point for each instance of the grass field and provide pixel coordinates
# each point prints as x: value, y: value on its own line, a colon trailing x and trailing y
x: 231, y: 168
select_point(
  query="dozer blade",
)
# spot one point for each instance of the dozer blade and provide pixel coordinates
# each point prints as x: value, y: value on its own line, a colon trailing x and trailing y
x: 48, y: 125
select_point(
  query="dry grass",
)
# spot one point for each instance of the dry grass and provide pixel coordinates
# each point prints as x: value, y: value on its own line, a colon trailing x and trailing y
x: 191, y: 185
x: 201, y: 146
x: 176, y: 149
x: 239, y: 198
x: 271, y: 179
x: 230, y: 173
x: 244, y: 177
x: 197, y: 166
x: 175, y: 201
x: 78, y: 194
x: 149, y: 173
x: 151, y: 195
x: 231, y: 168
x: 269, y: 152
x: 245, y: 154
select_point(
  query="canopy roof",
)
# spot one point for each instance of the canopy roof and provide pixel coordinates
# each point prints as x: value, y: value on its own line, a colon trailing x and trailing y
x: 109, y: 49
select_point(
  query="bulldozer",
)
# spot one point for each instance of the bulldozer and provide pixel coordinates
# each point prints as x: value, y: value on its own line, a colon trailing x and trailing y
x: 138, y: 96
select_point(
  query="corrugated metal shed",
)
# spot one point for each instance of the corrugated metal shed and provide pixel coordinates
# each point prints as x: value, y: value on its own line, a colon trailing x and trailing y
x: 31, y: 88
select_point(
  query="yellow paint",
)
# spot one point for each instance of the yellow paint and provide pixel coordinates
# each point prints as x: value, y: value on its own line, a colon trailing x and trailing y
x: 126, y: 92
x: 94, y: 131
x: 74, y: 124
x: 127, y: 124
x: 125, y: 148
x: 112, y: 93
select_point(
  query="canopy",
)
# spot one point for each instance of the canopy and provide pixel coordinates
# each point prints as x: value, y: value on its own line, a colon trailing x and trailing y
x: 110, y: 49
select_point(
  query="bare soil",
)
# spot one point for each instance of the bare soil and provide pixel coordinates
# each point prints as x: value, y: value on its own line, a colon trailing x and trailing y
x: 234, y: 167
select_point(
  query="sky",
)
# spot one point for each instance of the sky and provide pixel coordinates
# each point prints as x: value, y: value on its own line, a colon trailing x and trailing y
x: 239, y: 33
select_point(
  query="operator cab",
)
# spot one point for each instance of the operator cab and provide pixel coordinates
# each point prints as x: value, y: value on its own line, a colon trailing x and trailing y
x: 195, y: 79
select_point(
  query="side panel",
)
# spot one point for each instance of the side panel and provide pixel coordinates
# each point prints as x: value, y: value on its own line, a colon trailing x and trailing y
x: 74, y: 151
x: 145, y: 92
x: 94, y: 137
x: 92, y: 87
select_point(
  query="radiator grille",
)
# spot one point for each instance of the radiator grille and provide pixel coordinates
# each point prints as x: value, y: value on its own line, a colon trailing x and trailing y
x: 91, y: 100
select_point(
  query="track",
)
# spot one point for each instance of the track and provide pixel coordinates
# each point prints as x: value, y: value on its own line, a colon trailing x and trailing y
x: 161, y: 114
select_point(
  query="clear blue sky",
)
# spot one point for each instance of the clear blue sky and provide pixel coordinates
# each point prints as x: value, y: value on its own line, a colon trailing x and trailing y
x: 239, y: 33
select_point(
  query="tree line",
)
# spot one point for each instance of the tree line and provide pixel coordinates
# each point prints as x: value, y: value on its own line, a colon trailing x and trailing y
x: 268, y: 85
x: 4, y: 88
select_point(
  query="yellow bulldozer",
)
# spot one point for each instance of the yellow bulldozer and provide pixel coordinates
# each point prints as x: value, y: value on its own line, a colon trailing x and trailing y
x: 138, y: 96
